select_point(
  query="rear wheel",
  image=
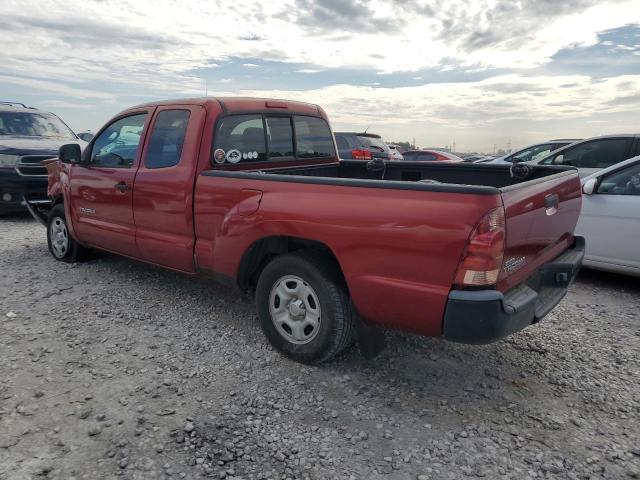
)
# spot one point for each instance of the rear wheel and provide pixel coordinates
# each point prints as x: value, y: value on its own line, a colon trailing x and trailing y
x: 62, y: 245
x: 304, y: 308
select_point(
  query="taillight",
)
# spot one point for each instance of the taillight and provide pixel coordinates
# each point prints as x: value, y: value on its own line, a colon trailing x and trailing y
x: 484, y: 252
x: 361, y: 154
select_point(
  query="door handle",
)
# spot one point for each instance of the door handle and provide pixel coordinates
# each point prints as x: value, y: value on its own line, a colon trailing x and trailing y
x: 121, y: 187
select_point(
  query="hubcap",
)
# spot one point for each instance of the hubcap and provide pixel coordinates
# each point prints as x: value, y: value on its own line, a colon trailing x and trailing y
x: 59, y: 237
x: 294, y: 309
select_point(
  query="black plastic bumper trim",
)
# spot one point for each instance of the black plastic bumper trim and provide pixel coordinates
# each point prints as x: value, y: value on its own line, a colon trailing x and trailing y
x: 484, y: 316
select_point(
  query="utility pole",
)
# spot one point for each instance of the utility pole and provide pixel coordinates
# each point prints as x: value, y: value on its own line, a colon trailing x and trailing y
x: 509, y: 145
x: 453, y: 148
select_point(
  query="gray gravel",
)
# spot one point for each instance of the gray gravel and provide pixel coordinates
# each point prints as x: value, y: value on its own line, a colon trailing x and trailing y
x: 115, y: 369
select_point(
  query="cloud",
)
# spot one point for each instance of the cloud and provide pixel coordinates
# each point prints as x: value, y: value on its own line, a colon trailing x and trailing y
x: 116, y: 52
x: 51, y: 87
x: 498, y: 98
x: 355, y: 16
x: 126, y: 40
x: 476, y: 111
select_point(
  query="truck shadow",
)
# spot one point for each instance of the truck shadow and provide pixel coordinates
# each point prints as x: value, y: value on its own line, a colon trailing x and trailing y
x: 417, y: 370
x: 599, y: 279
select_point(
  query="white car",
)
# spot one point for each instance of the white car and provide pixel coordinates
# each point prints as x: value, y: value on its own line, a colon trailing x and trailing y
x: 590, y: 155
x: 610, y: 218
x: 532, y: 153
x: 395, y: 153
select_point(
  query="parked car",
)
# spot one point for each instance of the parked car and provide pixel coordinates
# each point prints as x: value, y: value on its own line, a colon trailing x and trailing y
x: 485, y: 159
x: 395, y: 153
x: 610, y: 218
x: 361, y: 146
x: 594, y: 154
x: 252, y: 193
x: 534, y: 152
x: 27, y: 136
x: 476, y: 158
x: 430, y: 156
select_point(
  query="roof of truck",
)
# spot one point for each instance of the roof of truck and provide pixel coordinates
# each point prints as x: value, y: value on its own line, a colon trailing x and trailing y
x: 236, y: 104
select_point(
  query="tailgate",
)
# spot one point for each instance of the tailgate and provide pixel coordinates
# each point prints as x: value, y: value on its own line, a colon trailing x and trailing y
x: 541, y: 216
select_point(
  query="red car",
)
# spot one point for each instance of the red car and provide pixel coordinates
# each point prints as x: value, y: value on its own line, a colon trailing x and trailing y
x: 430, y: 156
x: 251, y: 192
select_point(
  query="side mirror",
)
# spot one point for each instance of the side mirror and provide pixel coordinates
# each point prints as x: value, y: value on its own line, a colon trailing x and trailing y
x: 589, y: 186
x: 70, y: 153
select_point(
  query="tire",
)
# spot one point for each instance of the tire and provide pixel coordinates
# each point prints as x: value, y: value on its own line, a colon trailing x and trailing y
x: 304, y: 308
x: 62, y: 245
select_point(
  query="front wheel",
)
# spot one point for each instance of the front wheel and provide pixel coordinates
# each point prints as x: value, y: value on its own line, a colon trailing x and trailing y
x: 62, y: 245
x: 304, y: 308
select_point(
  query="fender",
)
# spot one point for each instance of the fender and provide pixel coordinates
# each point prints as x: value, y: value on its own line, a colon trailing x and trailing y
x: 58, y: 187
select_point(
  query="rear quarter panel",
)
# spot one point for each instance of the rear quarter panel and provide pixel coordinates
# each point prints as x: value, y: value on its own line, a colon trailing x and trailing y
x: 398, y: 249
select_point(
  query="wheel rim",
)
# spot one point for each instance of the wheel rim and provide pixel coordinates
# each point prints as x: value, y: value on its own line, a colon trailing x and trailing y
x: 295, y: 309
x: 59, y: 237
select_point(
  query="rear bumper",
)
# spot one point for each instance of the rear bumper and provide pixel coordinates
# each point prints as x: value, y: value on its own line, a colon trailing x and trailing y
x: 14, y: 187
x: 483, y: 316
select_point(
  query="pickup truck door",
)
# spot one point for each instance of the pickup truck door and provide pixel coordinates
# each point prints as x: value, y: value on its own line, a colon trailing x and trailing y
x: 163, y: 189
x: 101, y: 189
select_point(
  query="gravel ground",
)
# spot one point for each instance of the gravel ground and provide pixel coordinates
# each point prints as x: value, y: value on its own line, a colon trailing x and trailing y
x: 115, y: 369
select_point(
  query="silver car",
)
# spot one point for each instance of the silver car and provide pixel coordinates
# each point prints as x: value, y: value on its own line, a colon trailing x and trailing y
x: 531, y: 153
x: 610, y: 218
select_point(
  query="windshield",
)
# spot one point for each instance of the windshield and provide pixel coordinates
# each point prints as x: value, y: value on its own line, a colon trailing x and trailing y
x: 534, y: 152
x: 32, y: 124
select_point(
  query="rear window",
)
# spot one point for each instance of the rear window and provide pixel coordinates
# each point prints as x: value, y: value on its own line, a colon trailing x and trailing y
x: 372, y: 143
x: 242, y: 138
x: 280, y: 137
x: 313, y: 138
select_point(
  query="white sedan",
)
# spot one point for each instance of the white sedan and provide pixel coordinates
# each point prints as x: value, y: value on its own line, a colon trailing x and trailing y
x: 610, y: 218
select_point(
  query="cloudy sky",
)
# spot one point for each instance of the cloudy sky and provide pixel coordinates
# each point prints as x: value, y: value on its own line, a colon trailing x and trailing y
x: 477, y: 72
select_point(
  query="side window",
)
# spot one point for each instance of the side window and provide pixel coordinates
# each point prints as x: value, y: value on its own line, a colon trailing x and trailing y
x: 426, y: 157
x: 240, y: 138
x: 342, y: 143
x: 623, y: 182
x: 313, y: 138
x: 279, y: 136
x: 167, y: 138
x: 409, y: 156
x: 117, y: 145
x: 595, y: 154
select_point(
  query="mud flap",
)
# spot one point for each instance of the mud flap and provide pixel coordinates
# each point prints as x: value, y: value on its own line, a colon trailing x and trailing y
x: 370, y: 338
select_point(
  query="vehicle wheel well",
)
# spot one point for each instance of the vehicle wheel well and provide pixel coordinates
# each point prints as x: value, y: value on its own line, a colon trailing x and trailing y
x: 264, y: 250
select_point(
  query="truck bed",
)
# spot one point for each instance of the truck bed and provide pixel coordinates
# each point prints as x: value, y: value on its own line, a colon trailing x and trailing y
x: 447, y: 175
x: 399, y: 239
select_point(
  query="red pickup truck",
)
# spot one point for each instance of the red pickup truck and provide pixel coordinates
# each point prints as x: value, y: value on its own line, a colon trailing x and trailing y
x: 251, y: 191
